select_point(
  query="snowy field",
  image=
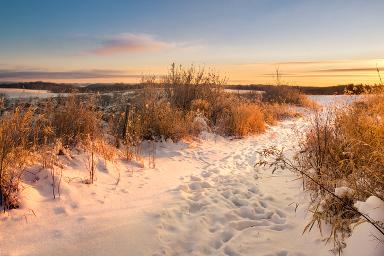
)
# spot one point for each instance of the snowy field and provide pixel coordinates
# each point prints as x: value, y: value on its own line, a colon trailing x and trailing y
x: 14, y: 93
x: 204, y: 197
x: 334, y: 100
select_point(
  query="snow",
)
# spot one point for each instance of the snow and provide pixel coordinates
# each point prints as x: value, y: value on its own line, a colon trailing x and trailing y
x: 364, y: 239
x: 334, y: 100
x: 15, y: 93
x: 343, y: 191
x: 205, y: 197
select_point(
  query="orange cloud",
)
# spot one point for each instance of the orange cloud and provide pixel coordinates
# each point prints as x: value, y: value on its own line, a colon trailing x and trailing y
x: 130, y: 43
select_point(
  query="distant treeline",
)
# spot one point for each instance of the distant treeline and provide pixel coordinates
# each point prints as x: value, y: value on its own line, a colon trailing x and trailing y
x: 53, y: 87
x: 339, y: 89
x: 111, y: 87
x: 67, y: 87
x: 99, y: 87
x: 316, y: 90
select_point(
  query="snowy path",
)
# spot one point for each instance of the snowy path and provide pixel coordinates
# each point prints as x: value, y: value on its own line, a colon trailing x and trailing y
x: 203, y: 199
x: 233, y: 208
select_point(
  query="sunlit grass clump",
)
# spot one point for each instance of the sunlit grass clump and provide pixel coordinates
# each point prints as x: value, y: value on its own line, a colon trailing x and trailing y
x: 343, y: 152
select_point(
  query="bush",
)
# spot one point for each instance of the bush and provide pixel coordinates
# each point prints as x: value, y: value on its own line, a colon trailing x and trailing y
x: 73, y: 120
x: 344, y: 148
x: 160, y: 121
x: 167, y: 108
x: 241, y: 119
x: 156, y: 118
x: 185, y: 85
x: 287, y: 95
x: 341, y: 161
x: 248, y: 119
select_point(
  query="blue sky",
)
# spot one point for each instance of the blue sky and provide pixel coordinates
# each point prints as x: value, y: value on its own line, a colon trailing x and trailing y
x: 244, y: 38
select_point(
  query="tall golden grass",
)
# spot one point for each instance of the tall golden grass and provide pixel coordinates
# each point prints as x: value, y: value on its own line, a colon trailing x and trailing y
x: 242, y: 119
x: 16, y: 129
x: 346, y: 150
x: 74, y: 119
x: 342, y: 148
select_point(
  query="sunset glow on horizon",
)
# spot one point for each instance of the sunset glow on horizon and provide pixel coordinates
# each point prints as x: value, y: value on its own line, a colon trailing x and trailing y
x: 316, y: 43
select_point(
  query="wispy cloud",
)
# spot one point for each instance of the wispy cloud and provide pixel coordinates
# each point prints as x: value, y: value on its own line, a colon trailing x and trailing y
x: 318, y: 75
x: 314, y: 62
x: 74, y: 74
x: 360, y: 69
x: 130, y: 43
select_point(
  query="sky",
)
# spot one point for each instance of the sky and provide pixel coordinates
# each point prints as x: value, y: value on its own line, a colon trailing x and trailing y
x: 323, y: 42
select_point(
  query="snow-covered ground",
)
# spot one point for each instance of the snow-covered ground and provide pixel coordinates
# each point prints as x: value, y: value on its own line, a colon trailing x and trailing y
x: 15, y: 93
x: 202, y: 198
x: 334, y: 100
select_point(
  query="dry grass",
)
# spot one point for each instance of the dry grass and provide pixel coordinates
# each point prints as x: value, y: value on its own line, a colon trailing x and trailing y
x: 341, y: 151
x: 342, y: 148
x: 241, y: 119
x: 183, y: 103
x: 16, y: 129
x: 74, y: 120
x: 274, y: 112
x: 31, y: 134
x: 345, y: 147
x: 287, y: 95
x: 2, y: 103
x: 185, y: 85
